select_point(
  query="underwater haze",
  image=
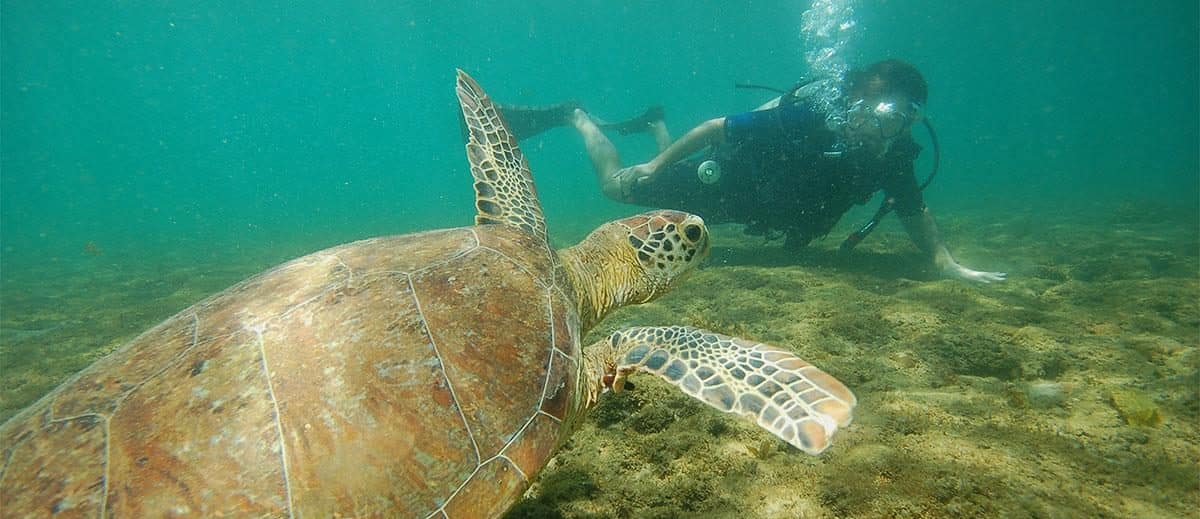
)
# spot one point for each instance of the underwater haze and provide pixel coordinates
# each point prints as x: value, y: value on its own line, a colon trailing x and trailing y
x: 155, y: 153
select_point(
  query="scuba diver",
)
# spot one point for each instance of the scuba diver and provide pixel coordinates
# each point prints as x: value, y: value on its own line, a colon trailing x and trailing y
x: 789, y: 169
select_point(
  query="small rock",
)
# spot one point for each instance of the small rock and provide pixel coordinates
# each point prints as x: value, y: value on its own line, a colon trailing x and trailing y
x: 1135, y: 407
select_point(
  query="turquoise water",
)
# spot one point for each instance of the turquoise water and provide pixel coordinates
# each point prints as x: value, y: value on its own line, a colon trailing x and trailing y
x: 152, y: 153
x: 146, y: 128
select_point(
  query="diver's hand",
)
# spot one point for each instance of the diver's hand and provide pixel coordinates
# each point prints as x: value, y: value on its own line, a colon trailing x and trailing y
x: 955, y: 270
x: 631, y: 176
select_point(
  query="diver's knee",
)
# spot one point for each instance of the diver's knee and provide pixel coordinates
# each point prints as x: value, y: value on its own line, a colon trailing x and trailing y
x: 613, y: 191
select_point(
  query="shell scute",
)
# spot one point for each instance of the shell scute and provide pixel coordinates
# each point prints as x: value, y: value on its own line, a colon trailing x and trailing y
x: 366, y: 395
x: 488, y: 492
x: 489, y: 322
x: 44, y: 455
x: 530, y: 450
x: 560, y: 391
x: 524, y: 249
x: 177, y: 429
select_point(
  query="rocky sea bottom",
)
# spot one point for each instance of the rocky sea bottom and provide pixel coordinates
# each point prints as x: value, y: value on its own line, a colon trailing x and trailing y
x: 1069, y: 390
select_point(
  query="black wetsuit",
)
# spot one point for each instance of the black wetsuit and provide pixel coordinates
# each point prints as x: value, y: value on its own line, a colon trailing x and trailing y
x: 780, y: 173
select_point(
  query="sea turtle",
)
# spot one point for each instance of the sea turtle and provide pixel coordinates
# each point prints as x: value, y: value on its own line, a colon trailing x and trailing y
x: 424, y: 375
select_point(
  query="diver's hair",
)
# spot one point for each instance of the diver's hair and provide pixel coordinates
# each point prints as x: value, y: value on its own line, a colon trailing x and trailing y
x: 886, y: 77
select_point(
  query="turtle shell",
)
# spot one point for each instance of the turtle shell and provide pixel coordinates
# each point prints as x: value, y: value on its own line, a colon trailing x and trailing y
x: 418, y: 375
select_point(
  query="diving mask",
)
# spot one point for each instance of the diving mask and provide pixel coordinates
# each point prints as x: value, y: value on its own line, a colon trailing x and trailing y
x: 886, y: 119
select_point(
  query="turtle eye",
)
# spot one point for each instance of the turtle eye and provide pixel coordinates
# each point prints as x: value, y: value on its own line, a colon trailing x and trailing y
x: 693, y: 232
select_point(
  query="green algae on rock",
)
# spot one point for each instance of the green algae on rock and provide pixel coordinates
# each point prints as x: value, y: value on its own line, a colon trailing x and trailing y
x: 1135, y: 407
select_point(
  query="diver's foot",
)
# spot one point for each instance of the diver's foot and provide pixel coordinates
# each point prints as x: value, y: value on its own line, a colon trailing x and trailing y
x: 580, y: 117
x: 638, y: 124
x: 527, y: 121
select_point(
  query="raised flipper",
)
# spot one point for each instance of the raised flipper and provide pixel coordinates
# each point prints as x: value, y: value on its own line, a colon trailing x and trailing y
x: 504, y: 191
x: 785, y: 395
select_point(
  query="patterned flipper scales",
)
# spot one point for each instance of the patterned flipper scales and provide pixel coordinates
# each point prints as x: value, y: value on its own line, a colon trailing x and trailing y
x: 504, y: 190
x: 785, y: 395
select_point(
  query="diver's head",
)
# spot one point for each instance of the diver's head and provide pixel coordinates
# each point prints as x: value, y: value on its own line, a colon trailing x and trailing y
x: 883, y: 102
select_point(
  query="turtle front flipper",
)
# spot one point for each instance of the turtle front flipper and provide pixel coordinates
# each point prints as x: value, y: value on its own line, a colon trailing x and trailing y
x: 504, y: 190
x: 785, y: 395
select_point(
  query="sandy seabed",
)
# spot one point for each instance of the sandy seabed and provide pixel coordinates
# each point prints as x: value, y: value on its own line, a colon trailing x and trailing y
x: 1070, y: 390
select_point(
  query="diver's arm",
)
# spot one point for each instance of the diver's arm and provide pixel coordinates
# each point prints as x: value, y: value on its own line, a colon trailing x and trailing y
x: 708, y: 133
x: 923, y: 231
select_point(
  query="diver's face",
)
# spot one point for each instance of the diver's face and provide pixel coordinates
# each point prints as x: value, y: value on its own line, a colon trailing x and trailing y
x: 875, y: 122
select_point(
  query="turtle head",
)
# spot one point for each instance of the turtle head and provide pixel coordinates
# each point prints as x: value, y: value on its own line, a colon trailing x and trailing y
x: 634, y: 260
x: 667, y: 245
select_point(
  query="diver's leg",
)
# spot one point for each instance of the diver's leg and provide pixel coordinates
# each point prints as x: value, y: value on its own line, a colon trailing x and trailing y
x: 662, y: 137
x: 650, y: 121
x: 527, y: 121
x: 605, y: 160
x: 639, y: 124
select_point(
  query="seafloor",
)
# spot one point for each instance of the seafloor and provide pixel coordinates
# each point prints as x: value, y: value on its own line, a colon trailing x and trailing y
x: 1071, y: 390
